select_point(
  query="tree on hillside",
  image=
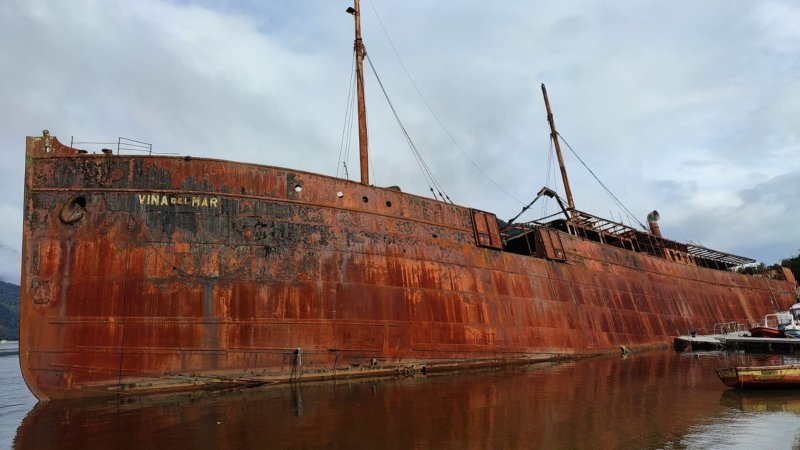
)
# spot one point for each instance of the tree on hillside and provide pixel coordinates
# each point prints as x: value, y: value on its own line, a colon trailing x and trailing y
x: 9, y: 311
x: 793, y: 264
x: 754, y: 269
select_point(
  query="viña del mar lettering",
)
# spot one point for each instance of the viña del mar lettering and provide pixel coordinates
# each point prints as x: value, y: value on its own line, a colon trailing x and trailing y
x: 200, y: 201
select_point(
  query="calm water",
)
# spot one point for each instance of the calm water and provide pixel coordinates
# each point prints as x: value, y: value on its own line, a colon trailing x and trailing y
x: 15, y: 399
x: 656, y: 400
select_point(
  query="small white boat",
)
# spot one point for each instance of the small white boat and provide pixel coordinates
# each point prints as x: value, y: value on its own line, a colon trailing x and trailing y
x: 792, y: 329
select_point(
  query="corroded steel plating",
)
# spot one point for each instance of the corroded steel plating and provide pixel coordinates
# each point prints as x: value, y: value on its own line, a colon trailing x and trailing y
x: 146, y: 273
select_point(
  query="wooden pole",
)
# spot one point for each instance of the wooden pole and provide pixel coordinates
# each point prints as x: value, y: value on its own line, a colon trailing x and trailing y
x: 554, y: 136
x: 362, y: 109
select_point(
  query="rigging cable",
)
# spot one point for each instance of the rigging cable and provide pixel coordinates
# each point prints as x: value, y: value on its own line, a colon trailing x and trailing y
x: 348, y: 123
x: 549, y: 175
x: 430, y: 109
x: 613, y: 197
x: 426, y: 171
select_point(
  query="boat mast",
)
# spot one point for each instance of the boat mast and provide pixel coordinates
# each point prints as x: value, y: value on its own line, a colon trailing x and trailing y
x: 554, y: 136
x: 358, y: 45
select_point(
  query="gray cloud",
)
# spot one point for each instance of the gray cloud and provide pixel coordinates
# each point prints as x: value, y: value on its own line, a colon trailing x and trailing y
x: 688, y: 109
x: 9, y: 264
x: 752, y: 221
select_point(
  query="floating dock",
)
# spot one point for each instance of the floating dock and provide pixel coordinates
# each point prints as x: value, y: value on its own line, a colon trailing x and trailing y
x: 690, y: 343
x: 761, y: 345
x: 736, y: 341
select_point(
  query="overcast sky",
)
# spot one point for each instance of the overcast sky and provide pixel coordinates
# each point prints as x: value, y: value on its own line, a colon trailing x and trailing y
x: 690, y: 108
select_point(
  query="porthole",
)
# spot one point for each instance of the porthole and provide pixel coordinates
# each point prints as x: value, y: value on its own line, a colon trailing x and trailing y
x: 298, y: 188
x: 73, y: 210
x: 388, y: 204
x: 340, y: 194
x: 364, y: 199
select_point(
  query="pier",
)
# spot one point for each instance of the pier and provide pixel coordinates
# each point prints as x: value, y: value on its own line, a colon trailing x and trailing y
x: 736, y: 341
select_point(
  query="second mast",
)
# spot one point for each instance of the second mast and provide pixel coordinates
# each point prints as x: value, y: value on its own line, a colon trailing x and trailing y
x: 554, y: 136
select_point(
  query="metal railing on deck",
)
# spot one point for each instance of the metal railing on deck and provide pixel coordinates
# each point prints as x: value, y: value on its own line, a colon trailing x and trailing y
x: 122, y: 144
x: 731, y: 327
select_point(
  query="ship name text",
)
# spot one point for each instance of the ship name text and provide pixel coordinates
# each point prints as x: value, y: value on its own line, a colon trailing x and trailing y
x: 198, y: 201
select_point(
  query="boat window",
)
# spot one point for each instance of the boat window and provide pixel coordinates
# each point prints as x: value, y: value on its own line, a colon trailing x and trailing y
x: 784, y: 318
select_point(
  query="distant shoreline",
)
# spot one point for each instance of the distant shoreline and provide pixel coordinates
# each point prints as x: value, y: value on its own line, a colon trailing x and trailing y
x: 9, y: 348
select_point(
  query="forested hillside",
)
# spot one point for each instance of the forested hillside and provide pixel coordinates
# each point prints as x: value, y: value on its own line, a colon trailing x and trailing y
x: 9, y: 311
x: 793, y: 264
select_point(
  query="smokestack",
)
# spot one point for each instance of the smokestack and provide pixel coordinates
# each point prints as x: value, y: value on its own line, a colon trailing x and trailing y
x: 652, y: 221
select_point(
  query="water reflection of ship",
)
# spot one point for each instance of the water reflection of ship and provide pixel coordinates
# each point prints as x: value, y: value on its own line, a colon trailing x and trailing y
x: 784, y: 400
x: 602, y: 403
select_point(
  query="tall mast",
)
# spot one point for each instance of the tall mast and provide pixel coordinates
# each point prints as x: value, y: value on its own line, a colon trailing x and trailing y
x: 554, y: 136
x: 358, y: 45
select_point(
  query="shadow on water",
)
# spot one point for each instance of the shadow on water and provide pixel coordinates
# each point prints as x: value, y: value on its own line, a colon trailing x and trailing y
x: 652, y: 400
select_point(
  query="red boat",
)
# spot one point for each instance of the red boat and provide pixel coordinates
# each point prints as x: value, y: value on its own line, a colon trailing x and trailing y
x: 765, y: 332
x: 773, y: 325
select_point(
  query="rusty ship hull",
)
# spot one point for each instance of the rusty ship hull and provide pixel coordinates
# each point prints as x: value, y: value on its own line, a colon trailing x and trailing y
x: 145, y: 274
